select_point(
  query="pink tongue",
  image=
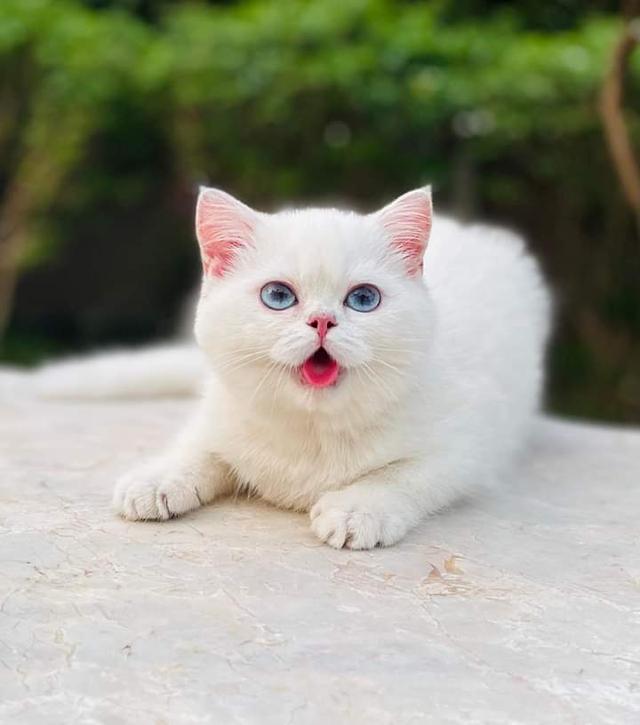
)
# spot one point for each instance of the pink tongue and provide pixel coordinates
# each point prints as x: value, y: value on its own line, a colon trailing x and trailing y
x: 320, y: 370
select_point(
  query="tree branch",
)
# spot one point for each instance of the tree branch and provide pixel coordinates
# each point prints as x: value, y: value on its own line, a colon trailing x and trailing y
x: 612, y: 111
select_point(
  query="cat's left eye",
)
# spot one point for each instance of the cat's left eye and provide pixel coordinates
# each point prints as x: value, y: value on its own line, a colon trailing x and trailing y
x: 278, y: 296
x: 364, y: 298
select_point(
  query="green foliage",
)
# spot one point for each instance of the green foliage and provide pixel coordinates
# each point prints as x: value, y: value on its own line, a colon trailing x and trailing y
x: 119, y: 104
x: 294, y: 91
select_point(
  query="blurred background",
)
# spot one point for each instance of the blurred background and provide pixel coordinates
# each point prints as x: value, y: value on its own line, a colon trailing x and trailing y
x: 112, y: 111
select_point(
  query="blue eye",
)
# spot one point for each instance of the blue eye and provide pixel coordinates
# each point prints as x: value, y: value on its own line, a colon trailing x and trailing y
x: 364, y: 298
x: 278, y: 296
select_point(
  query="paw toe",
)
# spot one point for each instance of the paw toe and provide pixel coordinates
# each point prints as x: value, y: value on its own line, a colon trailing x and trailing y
x: 330, y: 527
x: 137, y: 500
x: 144, y: 497
x: 342, y: 520
x: 363, y: 531
x: 177, y: 499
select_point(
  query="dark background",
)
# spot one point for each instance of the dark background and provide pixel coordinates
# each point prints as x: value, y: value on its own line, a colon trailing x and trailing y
x: 111, y: 112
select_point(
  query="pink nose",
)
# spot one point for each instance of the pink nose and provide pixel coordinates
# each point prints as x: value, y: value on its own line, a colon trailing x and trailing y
x: 322, y: 323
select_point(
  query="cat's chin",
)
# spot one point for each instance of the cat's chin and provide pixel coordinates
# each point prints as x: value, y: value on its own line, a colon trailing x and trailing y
x: 320, y: 370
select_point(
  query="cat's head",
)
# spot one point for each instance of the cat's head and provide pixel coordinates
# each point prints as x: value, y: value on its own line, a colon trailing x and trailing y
x: 318, y: 309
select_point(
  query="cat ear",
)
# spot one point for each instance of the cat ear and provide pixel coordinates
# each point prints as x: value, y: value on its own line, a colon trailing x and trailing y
x: 407, y: 221
x: 224, y: 225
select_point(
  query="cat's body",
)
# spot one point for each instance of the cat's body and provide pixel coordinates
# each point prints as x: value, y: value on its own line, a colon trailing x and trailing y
x: 435, y: 387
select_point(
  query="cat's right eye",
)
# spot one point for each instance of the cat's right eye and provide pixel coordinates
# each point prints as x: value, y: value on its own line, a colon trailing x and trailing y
x: 278, y: 296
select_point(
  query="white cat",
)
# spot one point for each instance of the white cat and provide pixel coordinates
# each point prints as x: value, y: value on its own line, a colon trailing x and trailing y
x: 343, y: 381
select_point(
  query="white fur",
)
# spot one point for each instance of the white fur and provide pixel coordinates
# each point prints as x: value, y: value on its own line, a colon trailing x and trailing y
x: 437, y: 390
x: 160, y: 371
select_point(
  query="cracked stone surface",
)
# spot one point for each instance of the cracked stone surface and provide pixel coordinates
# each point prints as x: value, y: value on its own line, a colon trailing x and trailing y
x: 519, y: 607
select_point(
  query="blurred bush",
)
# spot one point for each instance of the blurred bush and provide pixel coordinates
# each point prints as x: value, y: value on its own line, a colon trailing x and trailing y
x: 111, y: 112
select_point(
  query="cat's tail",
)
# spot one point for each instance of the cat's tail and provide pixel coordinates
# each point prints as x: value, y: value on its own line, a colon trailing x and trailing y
x: 160, y: 371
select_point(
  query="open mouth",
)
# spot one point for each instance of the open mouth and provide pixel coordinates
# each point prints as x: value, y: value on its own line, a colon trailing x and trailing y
x: 320, y: 370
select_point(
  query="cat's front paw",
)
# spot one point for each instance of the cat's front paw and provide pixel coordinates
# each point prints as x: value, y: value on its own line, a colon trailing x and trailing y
x: 155, y: 492
x: 357, y: 519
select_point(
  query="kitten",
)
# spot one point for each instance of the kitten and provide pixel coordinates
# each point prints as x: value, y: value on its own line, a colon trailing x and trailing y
x: 344, y: 381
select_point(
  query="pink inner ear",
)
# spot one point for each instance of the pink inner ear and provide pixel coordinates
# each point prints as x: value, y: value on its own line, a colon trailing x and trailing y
x: 408, y: 222
x: 224, y: 225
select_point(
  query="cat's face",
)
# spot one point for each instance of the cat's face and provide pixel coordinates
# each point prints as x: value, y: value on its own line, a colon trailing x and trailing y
x: 317, y: 308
